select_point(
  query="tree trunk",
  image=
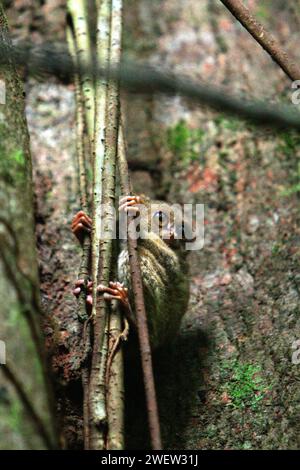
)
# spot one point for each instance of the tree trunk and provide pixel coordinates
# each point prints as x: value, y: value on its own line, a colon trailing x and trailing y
x: 24, y: 379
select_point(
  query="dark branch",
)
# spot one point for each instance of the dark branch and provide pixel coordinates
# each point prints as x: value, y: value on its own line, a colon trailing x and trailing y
x: 141, y: 314
x: 263, y: 37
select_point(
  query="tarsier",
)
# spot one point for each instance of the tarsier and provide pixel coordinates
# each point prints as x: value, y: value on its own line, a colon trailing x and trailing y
x: 163, y: 268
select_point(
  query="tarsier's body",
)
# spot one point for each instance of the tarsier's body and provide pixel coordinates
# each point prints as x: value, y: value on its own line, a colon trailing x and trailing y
x: 163, y: 269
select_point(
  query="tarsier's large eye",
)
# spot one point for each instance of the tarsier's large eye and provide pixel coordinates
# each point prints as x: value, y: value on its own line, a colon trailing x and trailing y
x: 160, y: 218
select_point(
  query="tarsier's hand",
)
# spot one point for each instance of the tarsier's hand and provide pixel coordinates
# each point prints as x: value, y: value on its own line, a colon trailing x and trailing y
x: 129, y: 204
x: 81, y: 225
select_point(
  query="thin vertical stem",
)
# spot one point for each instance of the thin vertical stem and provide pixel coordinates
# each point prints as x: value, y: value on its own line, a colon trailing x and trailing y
x: 78, y: 12
x: 141, y: 316
x: 100, y: 260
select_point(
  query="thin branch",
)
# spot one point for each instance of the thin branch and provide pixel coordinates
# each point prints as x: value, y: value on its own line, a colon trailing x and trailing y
x: 114, y: 379
x: 97, y: 392
x: 142, y: 78
x: 115, y: 384
x: 78, y: 14
x: 141, y: 316
x: 82, y: 115
x: 28, y: 406
x: 80, y: 151
x: 264, y: 38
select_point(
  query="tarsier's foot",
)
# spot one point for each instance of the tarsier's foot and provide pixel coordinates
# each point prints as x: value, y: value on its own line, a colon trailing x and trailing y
x: 81, y: 224
x: 79, y: 287
x: 116, y: 290
x: 129, y: 204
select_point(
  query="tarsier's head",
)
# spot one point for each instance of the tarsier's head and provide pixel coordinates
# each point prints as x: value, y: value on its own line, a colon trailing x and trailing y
x: 166, y: 220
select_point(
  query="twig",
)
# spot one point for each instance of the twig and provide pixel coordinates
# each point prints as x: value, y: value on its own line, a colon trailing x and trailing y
x: 78, y: 13
x: 141, y: 317
x: 263, y: 37
x: 24, y: 398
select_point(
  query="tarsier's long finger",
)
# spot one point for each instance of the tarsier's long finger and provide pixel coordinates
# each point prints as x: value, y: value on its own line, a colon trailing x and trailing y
x: 79, y: 284
x: 81, y: 221
x: 116, y: 284
x: 126, y: 198
x: 132, y: 210
x: 129, y: 200
x: 122, y: 207
x: 119, y: 287
x: 84, y: 215
x: 82, y: 226
x: 109, y: 290
x: 76, y: 291
x: 107, y: 296
x: 121, y: 291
